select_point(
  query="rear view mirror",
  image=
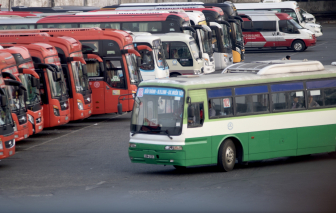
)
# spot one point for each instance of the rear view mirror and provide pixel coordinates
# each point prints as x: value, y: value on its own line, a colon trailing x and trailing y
x: 57, y: 76
x: 3, y: 100
x: 25, y: 96
x: 35, y: 82
x: 120, y: 109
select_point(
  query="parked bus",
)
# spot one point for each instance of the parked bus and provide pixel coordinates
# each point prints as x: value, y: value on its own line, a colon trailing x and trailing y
x: 17, y: 95
x: 289, y: 7
x: 30, y: 80
x: 112, y: 70
x: 211, y: 119
x: 7, y: 141
x: 182, y: 54
x: 56, y: 9
x: 73, y: 65
x: 53, y: 90
x: 153, y: 59
x: 271, y: 30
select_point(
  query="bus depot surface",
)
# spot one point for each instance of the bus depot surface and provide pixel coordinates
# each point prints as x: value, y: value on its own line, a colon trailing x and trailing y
x: 170, y: 133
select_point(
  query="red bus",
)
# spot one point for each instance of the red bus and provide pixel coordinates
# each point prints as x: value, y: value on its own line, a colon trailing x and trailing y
x: 7, y: 141
x: 74, y: 69
x: 30, y: 79
x: 16, y: 95
x: 112, y: 69
x: 53, y: 91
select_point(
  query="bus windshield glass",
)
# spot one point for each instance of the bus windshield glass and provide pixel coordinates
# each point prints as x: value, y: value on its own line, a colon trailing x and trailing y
x: 206, y: 42
x: 226, y: 37
x: 58, y: 88
x: 81, y: 82
x: 134, y: 74
x: 239, y: 35
x: 295, y: 24
x: 16, y: 102
x: 33, y: 93
x: 5, y: 113
x: 158, y: 110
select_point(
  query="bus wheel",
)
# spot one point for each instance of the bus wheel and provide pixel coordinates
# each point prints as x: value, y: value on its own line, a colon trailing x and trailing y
x: 180, y: 168
x: 298, y: 46
x: 227, y: 155
x: 174, y: 75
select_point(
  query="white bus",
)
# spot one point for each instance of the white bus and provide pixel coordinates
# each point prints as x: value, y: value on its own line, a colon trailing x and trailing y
x: 254, y: 111
x: 289, y: 7
x: 182, y: 54
x: 153, y: 60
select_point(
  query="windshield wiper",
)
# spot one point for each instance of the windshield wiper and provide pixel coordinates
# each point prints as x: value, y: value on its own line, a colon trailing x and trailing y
x: 165, y: 131
x: 136, y: 132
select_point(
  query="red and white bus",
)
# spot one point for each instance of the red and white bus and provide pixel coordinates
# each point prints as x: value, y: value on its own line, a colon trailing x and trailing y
x: 74, y: 69
x: 30, y: 79
x: 7, y: 141
x: 271, y: 30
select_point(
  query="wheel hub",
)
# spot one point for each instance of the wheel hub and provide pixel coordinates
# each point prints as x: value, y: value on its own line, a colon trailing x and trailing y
x: 229, y: 154
x: 297, y: 46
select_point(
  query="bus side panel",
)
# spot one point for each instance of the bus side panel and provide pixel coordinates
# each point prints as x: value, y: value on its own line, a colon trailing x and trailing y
x: 259, y: 145
x: 198, y: 151
x: 316, y: 139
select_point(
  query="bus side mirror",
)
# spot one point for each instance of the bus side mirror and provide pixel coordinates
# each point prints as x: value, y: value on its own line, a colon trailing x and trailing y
x: 57, y: 76
x: 188, y: 100
x: 25, y: 96
x: 101, y: 67
x: 120, y: 109
x: 3, y: 100
x: 35, y: 82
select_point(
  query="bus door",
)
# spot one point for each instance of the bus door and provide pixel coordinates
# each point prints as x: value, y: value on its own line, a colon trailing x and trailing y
x: 115, y: 84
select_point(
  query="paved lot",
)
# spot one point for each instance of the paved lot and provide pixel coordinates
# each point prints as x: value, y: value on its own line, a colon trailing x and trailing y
x: 84, y: 167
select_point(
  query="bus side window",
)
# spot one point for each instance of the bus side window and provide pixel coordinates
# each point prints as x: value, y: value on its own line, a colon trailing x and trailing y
x: 220, y: 107
x: 195, y: 115
x: 166, y: 49
x: 330, y: 96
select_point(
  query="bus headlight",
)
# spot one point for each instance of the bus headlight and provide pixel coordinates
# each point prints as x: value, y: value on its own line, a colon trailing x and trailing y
x: 56, y: 111
x: 206, y: 62
x: 173, y: 147
x: 14, y: 127
x: 238, y: 50
x: 1, y: 146
x: 30, y: 119
x: 132, y: 145
x: 80, y: 104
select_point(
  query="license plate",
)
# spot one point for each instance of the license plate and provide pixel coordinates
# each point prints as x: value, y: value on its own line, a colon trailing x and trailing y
x: 149, y: 156
x: 10, y: 152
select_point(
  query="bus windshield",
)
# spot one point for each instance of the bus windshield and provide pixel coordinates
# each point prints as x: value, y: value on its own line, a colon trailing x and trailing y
x: 295, y: 24
x: 226, y: 37
x: 134, y: 74
x: 33, y: 92
x: 194, y: 49
x: 5, y: 114
x: 158, y: 110
x: 206, y: 42
x: 239, y: 35
x: 57, y: 88
x: 81, y: 82
x: 16, y: 102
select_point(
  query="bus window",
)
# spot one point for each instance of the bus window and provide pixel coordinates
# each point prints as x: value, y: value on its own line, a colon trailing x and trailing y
x: 90, y: 46
x: 41, y: 26
x: 93, y: 68
x: 290, y: 12
x: 286, y: 26
x: 115, y: 76
x: 143, y: 26
x: 180, y: 51
x: 115, y: 26
x: 288, y: 100
x: 16, y: 27
x: 166, y: 49
x: 315, y: 98
x: 214, y: 41
x: 87, y: 25
x: 222, y: 106
x: 195, y: 115
x: 264, y: 26
x: 248, y: 101
x: 330, y: 96
x: 194, y: 49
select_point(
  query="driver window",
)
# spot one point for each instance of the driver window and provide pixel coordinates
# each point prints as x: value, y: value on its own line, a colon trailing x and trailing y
x: 115, y: 76
x: 147, y: 62
x: 286, y: 26
x: 195, y: 115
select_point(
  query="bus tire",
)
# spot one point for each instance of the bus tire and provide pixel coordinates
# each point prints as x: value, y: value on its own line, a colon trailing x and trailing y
x: 298, y: 46
x: 227, y: 155
x: 174, y: 75
x: 180, y: 168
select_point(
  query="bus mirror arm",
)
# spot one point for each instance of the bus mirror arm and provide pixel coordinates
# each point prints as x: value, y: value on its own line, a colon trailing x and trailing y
x: 123, y: 99
x: 188, y: 28
x: 29, y: 71
x: 131, y: 51
x: 93, y: 56
x: 9, y: 76
x: 79, y: 59
x: 144, y: 47
x: 10, y: 82
x: 238, y: 18
x: 225, y: 22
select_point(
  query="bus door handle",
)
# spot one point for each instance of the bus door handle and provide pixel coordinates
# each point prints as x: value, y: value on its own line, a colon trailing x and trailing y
x: 107, y: 87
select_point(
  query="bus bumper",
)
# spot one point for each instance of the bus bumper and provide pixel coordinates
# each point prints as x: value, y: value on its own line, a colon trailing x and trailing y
x: 159, y: 157
x: 22, y: 133
x: 310, y: 42
x: 5, y: 153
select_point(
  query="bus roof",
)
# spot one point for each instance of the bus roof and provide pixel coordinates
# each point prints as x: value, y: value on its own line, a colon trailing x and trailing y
x: 175, y: 37
x: 287, y: 4
x: 57, y: 9
x: 144, y: 37
x: 269, y: 15
x: 19, y: 49
x: 6, y: 59
x: 168, y: 3
x: 110, y: 17
x: 19, y: 20
x: 45, y: 49
x: 238, y: 79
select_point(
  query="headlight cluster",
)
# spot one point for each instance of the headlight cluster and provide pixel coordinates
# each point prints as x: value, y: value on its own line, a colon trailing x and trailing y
x: 173, y: 147
x: 80, y: 104
x: 197, y: 72
x: 238, y: 50
x: 30, y: 119
x: 56, y: 111
x: 15, y: 127
x: 206, y: 62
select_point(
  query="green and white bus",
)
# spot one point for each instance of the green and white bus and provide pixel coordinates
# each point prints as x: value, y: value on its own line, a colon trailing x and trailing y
x: 253, y: 111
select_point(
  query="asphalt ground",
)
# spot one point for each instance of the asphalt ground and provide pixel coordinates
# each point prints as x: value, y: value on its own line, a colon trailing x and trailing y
x: 84, y: 167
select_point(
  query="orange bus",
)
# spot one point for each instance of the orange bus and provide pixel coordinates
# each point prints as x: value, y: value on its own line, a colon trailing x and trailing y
x: 7, y: 141
x: 53, y: 91
x: 17, y: 98
x: 30, y: 79
x: 113, y: 69
x: 74, y: 69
